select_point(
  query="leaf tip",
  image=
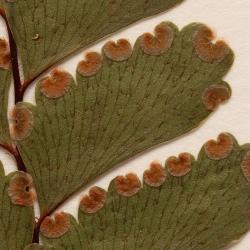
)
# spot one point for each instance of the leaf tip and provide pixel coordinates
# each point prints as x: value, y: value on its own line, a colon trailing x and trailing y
x: 127, y: 185
x: 21, y: 189
x: 220, y: 149
x: 94, y: 201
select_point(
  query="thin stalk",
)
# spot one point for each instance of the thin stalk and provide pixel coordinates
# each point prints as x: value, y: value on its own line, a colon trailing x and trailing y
x: 14, y: 61
x: 17, y: 86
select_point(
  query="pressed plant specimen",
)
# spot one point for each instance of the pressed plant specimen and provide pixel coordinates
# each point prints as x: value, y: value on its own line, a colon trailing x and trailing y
x: 122, y: 101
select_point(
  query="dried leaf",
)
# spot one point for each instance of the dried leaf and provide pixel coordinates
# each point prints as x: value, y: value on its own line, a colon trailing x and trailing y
x: 206, y: 209
x: 5, y: 81
x: 123, y: 108
x: 36, y: 246
x: 16, y: 221
x: 47, y: 31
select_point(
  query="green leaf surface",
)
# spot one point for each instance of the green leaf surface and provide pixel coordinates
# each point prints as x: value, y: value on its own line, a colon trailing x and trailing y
x: 16, y: 222
x: 48, y: 30
x: 5, y: 81
x: 35, y: 246
x: 206, y: 209
x: 124, y: 109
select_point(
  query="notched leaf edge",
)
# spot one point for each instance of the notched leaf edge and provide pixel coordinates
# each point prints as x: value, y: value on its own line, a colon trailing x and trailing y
x: 92, y: 67
x: 156, y: 169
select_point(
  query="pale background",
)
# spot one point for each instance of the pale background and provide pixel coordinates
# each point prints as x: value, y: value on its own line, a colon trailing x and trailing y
x: 231, y: 21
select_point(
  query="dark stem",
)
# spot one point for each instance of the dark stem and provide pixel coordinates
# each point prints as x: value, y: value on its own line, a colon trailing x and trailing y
x: 14, y: 61
x: 27, y: 83
x: 37, y: 230
x: 17, y: 86
x: 19, y: 94
x: 14, y: 151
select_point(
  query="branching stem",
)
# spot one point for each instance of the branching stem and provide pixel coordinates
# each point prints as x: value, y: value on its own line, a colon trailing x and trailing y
x: 14, y: 61
x: 17, y: 86
x: 20, y: 89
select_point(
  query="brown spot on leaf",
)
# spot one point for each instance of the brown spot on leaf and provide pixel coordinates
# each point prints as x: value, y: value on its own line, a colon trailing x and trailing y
x: 56, y: 85
x: 246, y: 165
x: 21, y: 122
x: 214, y: 95
x: 21, y: 190
x: 161, y: 42
x: 94, y: 201
x: 179, y: 166
x: 119, y: 51
x: 220, y: 149
x: 128, y: 185
x: 155, y: 176
x: 55, y: 227
x: 205, y: 48
x: 91, y: 65
x: 5, y: 58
